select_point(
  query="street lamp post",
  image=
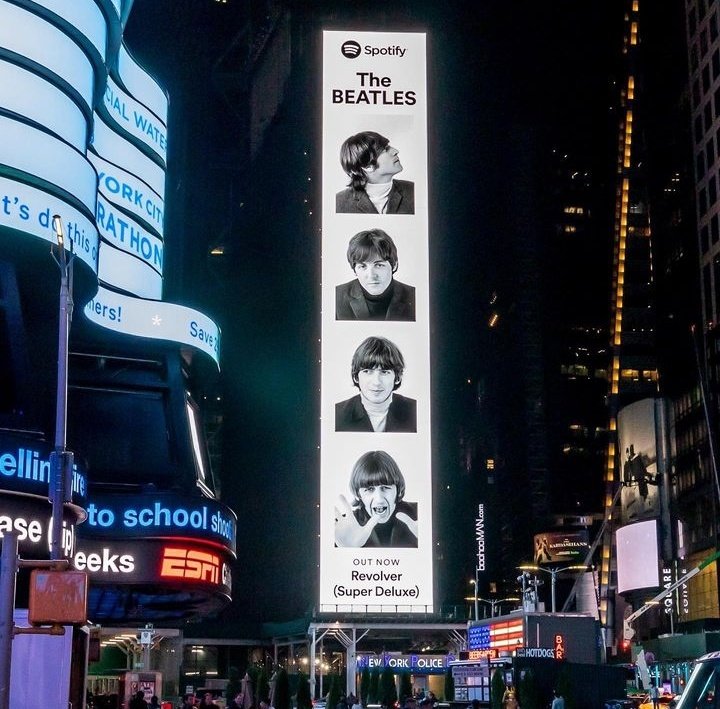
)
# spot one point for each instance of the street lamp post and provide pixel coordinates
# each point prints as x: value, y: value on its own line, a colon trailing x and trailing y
x: 61, y: 460
x: 474, y: 583
x: 553, y: 571
x: 492, y: 602
x: 495, y: 602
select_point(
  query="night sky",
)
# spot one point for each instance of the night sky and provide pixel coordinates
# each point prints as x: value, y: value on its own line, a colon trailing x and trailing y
x: 508, y: 82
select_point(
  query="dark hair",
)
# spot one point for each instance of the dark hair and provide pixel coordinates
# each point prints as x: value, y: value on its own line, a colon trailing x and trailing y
x: 367, y: 243
x: 376, y: 468
x: 358, y: 153
x: 377, y: 353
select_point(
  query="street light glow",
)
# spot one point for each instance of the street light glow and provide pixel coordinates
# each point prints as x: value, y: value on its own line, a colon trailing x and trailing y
x: 553, y: 571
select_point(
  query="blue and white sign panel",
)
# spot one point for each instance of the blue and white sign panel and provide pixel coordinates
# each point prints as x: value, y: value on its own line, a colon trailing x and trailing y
x: 158, y: 320
x: 376, y: 478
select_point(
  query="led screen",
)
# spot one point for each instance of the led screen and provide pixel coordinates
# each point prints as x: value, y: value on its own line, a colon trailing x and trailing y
x: 376, y: 504
x: 637, y: 556
x: 640, y: 496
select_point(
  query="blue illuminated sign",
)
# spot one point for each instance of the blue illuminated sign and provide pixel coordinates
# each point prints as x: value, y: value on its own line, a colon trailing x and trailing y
x: 161, y: 515
x: 417, y: 664
x: 133, y: 117
x: 29, y: 210
x: 25, y: 468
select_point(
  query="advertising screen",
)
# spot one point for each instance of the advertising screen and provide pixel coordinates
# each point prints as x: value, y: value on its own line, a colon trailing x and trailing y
x: 637, y: 556
x: 640, y: 496
x: 376, y: 479
x: 561, y: 547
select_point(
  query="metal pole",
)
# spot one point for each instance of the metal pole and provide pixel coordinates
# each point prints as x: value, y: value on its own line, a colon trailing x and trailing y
x: 61, y: 461
x: 321, y: 668
x: 8, y: 575
x: 553, y: 574
x: 312, y: 663
x: 477, y: 614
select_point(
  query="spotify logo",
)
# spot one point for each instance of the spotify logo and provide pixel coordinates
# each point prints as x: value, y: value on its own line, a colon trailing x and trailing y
x: 350, y: 49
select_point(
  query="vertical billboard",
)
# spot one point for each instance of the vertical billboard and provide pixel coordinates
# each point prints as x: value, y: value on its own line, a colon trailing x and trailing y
x: 636, y: 426
x: 376, y: 481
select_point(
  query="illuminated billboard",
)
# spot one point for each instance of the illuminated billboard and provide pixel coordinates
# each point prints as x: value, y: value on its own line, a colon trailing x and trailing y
x: 376, y: 479
x: 561, y: 547
x: 640, y: 496
x: 638, y: 559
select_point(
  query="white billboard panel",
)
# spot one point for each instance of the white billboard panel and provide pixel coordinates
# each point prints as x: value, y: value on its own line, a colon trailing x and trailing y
x: 376, y: 478
x: 638, y: 561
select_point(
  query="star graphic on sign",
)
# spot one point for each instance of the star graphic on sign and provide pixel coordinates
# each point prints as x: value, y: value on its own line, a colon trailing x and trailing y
x: 156, y: 320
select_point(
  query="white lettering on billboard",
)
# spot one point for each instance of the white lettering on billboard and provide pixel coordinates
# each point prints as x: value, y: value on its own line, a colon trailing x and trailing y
x: 376, y: 479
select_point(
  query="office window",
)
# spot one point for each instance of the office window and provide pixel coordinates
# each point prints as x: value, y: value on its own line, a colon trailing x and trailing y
x: 704, y: 243
x: 700, y: 165
x: 706, y: 78
x: 712, y: 190
x: 698, y: 128
x: 714, y: 228
x: 702, y: 202
x: 715, y: 61
x: 713, y: 26
x: 707, y: 112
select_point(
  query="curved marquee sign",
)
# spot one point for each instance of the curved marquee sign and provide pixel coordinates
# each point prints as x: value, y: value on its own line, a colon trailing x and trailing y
x: 161, y: 515
x: 131, y: 116
x: 30, y: 519
x: 53, y: 58
x: 30, y: 210
x: 157, y: 563
x: 28, y: 35
x: 157, y: 320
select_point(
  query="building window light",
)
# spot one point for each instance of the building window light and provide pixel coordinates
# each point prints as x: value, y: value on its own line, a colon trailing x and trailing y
x: 569, y: 228
x: 490, y: 464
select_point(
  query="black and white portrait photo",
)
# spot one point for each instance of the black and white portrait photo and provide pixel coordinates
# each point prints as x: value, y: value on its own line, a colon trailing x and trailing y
x: 377, y: 514
x: 371, y: 164
x: 374, y: 294
x: 377, y: 370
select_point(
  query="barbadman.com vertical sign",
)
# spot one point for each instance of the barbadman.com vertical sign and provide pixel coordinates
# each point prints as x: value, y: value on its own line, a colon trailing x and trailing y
x: 376, y: 478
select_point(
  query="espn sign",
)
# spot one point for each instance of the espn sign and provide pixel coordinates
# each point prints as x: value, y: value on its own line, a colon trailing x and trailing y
x: 192, y: 564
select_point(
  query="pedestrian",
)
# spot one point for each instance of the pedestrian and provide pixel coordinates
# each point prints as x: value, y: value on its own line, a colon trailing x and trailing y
x: 237, y: 701
x: 654, y: 694
x: 154, y: 702
x: 558, y: 702
x: 509, y: 699
x: 188, y: 701
x: 207, y: 700
x: 138, y: 701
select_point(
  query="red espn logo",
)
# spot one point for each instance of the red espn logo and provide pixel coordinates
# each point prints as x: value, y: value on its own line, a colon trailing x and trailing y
x: 181, y: 563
